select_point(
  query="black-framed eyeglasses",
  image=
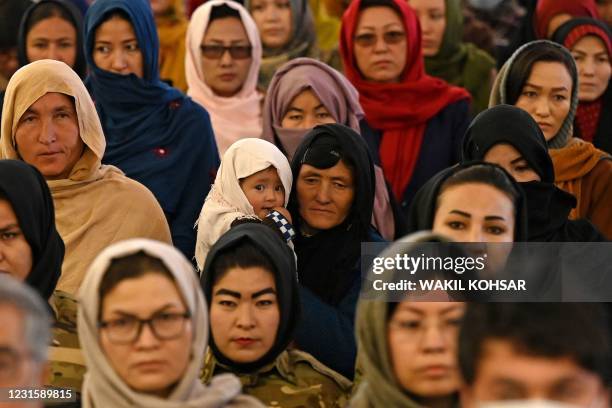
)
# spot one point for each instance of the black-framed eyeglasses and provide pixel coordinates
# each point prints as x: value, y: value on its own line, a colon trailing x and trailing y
x: 390, y: 37
x: 127, y: 329
x: 217, y: 51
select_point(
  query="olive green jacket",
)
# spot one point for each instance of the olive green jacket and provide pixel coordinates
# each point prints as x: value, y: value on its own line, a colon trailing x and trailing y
x: 295, y: 379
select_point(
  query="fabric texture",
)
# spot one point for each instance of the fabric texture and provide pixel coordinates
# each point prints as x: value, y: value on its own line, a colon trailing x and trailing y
x: 103, y: 387
x: 27, y: 192
x: 423, y: 209
x: 594, y: 118
x: 226, y: 200
x: 302, y: 42
x: 266, y: 240
x: 236, y: 117
x: 77, y: 22
x: 341, y: 100
x: 548, y: 207
x: 547, y: 9
x: 154, y: 133
x: 86, y: 202
x: 294, y: 379
x: 500, y: 91
x: 461, y: 63
x: 171, y: 30
x: 401, y: 110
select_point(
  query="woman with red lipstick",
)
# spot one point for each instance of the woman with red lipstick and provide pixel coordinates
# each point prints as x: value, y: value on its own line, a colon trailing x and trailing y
x: 590, y: 44
x: 251, y: 280
x: 223, y: 59
x: 413, y: 122
x: 143, y: 326
x: 541, y: 78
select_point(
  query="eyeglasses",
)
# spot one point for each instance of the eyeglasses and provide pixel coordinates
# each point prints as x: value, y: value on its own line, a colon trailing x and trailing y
x: 126, y: 330
x: 370, y: 39
x: 217, y: 51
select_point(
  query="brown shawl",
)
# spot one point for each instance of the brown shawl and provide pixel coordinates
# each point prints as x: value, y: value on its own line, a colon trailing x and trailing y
x: 97, y: 204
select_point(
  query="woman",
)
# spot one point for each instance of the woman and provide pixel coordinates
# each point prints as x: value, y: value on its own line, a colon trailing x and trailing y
x: 171, y: 25
x: 414, y: 121
x: 144, y: 326
x: 304, y: 93
x: 52, y: 29
x: 287, y: 31
x: 250, y: 268
x: 32, y: 251
x: 53, y: 125
x: 224, y: 80
x: 589, y: 42
x: 155, y: 134
x: 550, y: 14
x: 508, y: 136
x: 402, y: 343
x: 447, y: 57
x: 331, y: 207
x: 490, y: 192
x: 541, y: 79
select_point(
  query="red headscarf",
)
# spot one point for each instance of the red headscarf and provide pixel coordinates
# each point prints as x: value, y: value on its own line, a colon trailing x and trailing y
x: 401, y: 110
x: 587, y: 114
x: 547, y: 9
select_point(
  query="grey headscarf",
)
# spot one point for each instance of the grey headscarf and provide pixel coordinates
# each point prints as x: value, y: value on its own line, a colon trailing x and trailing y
x: 499, y: 93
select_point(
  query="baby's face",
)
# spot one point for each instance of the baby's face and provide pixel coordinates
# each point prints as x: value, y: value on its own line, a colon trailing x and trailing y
x: 264, y: 191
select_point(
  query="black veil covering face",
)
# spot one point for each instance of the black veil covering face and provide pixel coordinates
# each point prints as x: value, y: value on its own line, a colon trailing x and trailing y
x: 266, y: 240
x: 27, y: 191
x: 76, y: 20
x: 548, y: 207
x: 327, y: 259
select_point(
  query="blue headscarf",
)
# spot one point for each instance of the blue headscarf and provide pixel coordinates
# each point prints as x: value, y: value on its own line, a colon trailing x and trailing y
x: 154, y: 133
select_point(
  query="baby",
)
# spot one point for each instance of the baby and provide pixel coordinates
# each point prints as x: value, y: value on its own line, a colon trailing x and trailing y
x: 254, y: 180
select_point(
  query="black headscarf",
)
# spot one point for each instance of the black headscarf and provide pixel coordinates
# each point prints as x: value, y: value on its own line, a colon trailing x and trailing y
x: 548, y: 207
x: 603, y: 137
x: 27, y: 191
x: 77, y: 22
x: 281, y: 256
x: 327, y: 260
x: 423, y: 209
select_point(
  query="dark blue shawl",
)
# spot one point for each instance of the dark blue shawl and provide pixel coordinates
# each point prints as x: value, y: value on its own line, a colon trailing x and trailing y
x: 154, y: 133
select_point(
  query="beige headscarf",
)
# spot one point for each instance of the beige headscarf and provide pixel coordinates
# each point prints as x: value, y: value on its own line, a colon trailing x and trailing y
x: 97, y: 204
x: 238, y: 116
x: 104, y: 388
x: 226, y: 200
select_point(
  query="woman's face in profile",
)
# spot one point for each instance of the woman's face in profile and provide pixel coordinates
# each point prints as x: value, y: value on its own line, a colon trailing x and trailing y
x: 15, y: 251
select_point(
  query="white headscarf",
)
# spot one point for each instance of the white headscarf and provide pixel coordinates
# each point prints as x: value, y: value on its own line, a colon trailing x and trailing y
x: 238, y: 116
x: 226, y: 200
x: 103, y: 387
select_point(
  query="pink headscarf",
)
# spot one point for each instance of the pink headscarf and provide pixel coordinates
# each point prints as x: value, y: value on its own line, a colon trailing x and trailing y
x: 238, y: 116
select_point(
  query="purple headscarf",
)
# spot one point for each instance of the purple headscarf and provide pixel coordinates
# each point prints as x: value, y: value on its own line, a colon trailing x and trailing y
x: 336, y: 93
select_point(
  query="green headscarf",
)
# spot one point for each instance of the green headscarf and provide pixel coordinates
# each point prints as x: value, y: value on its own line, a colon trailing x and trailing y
x: 462, y: 64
